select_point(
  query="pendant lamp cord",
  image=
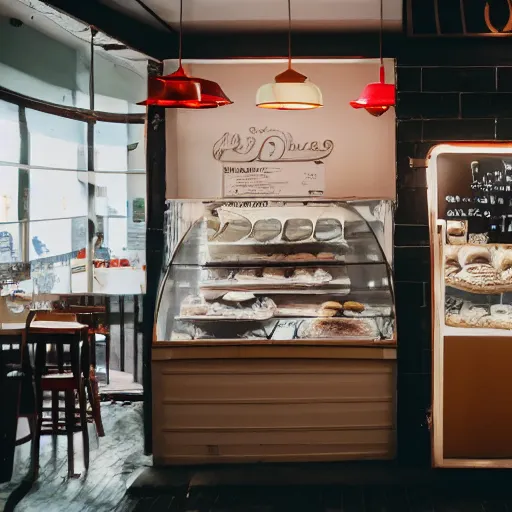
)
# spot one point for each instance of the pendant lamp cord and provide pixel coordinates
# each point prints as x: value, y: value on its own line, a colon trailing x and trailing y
x: 289, y: 34
x: 381, y: 31
x: 181, y: 31
x: 164, y: 23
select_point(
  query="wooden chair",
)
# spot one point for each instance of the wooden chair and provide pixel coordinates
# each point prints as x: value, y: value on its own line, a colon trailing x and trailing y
x: 17, y: 399
x: 56, y: 379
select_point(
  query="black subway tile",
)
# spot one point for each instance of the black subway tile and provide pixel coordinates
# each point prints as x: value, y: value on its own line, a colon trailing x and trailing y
x: 504, y: 129
x: 412, y: 206
x: 480, y: 105
x: 411, y: 178
x: 408, y: 79
x: 459, y: 79
x: 410, y: 295
x: 458, y: 129
x: 418, y: 105
x: 409, y: 131
x: 412, y: 264
x: 407, y: 235
x: 505, y: 79
x: 414, y: 394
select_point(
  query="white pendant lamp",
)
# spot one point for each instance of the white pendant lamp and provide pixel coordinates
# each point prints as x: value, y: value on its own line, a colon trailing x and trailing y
x: 290, y: 90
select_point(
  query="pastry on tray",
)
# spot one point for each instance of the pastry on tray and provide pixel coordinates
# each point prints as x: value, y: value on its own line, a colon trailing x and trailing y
x: 330, y: 308
x: 456, y: 232
x: 274, y: 273
x: 194, y: 306
x: 498, y: 316
x: 339, y: 328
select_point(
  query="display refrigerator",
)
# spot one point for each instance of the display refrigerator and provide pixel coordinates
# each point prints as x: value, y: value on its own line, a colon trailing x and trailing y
x: 275, y: 332
x: 470, y: 211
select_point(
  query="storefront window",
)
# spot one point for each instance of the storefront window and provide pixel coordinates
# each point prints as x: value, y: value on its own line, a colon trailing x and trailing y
x: 10, y: 133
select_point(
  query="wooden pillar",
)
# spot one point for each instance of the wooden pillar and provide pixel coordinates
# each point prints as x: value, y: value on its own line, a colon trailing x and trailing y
x: 155, y: 208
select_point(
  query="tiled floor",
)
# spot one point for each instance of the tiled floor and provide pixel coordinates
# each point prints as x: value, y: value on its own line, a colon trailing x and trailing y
x: 117, y: 459
x: 114, y: 459
x: 322, y: 499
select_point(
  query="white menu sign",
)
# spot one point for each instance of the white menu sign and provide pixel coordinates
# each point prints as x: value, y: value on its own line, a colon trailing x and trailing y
x: 284, y: 179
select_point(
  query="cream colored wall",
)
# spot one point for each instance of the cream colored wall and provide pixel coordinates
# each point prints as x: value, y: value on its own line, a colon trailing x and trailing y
x: 362, y: 163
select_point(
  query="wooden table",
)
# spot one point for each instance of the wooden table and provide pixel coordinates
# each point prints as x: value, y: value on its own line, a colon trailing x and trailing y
x: 41, y: 327
x: 55, y: 328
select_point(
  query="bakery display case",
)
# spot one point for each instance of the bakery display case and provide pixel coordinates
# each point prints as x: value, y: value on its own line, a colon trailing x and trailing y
x: 275, y: 330
x: 278, y: 270
x: 471, y: 231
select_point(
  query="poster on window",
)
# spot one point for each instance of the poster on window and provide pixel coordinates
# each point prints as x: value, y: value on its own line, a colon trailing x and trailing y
x: 269, y: 162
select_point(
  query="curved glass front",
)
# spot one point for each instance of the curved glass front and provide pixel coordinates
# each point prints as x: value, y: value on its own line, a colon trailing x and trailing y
x: 276, y: 270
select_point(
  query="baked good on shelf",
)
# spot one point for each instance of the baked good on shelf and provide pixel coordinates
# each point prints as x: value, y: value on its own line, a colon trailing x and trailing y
x: 326, y: 256
x: 498, y: 316
x: 311, y: 276
x: 501, y: 310
x: 476, y: 277
x: 338, y: 327
x: 478, y: 238
x: 274, y: 273
x: 353, y: 306
x: 238, y: 296
x: 249, y: 274
x: 330, y: 308
x: 456, y: 232
x: 471, y: 254
x: 300, y: 256
x: 194, y: 306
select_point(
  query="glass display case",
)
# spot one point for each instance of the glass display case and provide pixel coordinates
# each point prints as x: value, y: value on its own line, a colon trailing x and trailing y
x: 271, y: 271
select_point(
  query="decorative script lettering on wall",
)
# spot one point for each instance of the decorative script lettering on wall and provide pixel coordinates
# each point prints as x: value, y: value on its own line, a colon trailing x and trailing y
x: 270, y: 162
x: 269, y: 145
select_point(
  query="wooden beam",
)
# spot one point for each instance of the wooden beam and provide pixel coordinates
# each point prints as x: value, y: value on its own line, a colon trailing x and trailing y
x: 127, y: 30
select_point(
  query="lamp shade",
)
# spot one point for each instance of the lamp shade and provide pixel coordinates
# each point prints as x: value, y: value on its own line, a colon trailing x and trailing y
x: 290, y: 91
x: 376, y: 97
x: 178, y: 90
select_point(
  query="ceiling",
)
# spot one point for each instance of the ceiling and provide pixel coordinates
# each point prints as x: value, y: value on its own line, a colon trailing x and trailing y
x: 265, y: 15
x: 70, y: 32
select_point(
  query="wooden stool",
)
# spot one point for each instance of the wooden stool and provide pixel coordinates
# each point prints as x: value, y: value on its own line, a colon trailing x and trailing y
x: 18, y: 401
x: 59, y: 380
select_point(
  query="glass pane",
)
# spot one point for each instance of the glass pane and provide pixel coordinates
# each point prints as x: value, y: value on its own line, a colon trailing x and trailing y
x: 57, y: 142
x: 9, y: 183
x: 58, y: 239
x: 119, y: 84
x: 58, y: 194
x: 304, y: 271
x: 9, y: 133
x: 10, y: 242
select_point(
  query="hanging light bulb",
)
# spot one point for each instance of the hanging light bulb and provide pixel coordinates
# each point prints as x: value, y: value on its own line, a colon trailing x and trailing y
x: 178, y: 90
x: 377, y: 97
x: 290, y: 90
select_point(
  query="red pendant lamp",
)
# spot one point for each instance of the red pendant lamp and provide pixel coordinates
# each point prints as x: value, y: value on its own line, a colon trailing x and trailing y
x: 377, y: 97
x: 178, y: 90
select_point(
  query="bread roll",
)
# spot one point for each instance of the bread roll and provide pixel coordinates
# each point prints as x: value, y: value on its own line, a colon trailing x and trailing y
x: 332, y: 304
x: 456, y: 227
x: 353, y: 306
x: 471, y: 254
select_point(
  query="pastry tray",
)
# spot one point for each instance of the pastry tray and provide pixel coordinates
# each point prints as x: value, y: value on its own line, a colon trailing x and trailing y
x: 266, y: 284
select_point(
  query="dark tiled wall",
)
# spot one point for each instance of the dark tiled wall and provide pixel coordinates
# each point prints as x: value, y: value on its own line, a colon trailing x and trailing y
x: 434, y: 104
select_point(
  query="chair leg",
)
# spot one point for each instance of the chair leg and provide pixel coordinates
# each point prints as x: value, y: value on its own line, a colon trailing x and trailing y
x: 55, y: 411
x: 94, y: 399
x: 84, y: 423
x: 70, y: 427
x: 107, y: 356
